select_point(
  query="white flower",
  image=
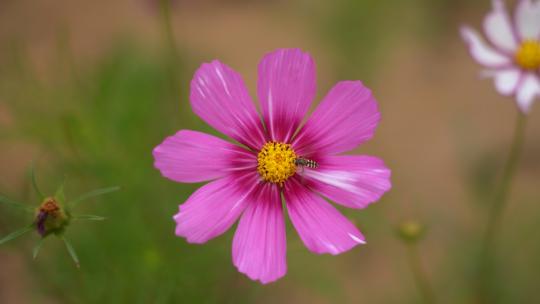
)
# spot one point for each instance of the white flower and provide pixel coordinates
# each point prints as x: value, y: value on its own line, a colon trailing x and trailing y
x: 513, y: 59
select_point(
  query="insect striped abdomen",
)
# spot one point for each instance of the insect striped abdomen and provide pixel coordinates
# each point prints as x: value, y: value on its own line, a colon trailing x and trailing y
x: 304, y: 162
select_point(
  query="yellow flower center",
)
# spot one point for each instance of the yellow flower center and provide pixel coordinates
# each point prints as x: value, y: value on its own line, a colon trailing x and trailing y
x: 528, y: 55
x: 276, y: 162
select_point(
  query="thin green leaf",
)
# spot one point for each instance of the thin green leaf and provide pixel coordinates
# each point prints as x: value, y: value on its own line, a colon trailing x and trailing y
x: 92, y: 194
x: 60, y: 195
x: 88, y: 217
x: 34, y: 182
x: 71, y: 251
x: 16, y: 234
x: 37, y: 248
x: 13, y: 203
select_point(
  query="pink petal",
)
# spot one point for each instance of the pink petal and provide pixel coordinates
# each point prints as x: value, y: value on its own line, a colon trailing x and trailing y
x: 321, y: 227
x: 528, y: 19
x: 190, y: 157
x: 259, y: 245
x: 286, y: 88
x: 481, y: 52
x: 219, y: 96
x: 498, y: 28
x: 346, y: 117
x: 213, y: 208
x: 528, y: 91
x: 352, y: 181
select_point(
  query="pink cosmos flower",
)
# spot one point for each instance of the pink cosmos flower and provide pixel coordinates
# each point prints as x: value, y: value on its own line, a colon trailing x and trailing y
x: 513, y: 60
x: 275, y: 160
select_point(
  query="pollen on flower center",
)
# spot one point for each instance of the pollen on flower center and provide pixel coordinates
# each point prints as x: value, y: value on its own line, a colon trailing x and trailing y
x: 528, y: 55
x: 276, y: 162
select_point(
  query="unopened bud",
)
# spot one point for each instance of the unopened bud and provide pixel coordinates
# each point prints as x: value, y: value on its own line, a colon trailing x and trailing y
x: 50, y: 217
x: 411, y: 231
x: 53, y: 215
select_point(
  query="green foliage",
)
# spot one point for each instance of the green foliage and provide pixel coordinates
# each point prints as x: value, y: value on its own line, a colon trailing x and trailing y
x: 16, y: 234
x: 71, y: 251
x: 51, y: 217
x: 35, y: 184
x: 105, y: 134
x: 88, y: 217
x: 12, y: 203
x: 37, y: 248
x: 354, y: 29
x: 91, y: 194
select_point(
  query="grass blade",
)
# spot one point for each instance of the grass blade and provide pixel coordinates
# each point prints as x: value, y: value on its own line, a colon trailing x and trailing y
x: 88, y: 217
x: 13, y: 203
x: 92, y: 194
x: 16, y: 234
x: 71, y: 251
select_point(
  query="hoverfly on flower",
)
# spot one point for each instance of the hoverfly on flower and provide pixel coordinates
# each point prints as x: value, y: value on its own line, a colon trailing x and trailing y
x: 304, y: 162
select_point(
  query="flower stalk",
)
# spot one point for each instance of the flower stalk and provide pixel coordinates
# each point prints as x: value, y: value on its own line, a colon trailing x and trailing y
x: 170, y: 45
x: 420, y: 278
x: 411, y: 232
x: 500, y: 199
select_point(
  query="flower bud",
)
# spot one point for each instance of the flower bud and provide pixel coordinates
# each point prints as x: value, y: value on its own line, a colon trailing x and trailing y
x: 411, y: 231
x: 51, y: 217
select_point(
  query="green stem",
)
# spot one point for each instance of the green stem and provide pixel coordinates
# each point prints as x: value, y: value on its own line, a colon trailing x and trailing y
x: 420, y: 278
x: 165, y: 8
x: 171, y: 46
x: 500, y: 200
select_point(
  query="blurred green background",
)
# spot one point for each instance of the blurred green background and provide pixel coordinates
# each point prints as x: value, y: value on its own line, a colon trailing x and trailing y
x: 88, y: 88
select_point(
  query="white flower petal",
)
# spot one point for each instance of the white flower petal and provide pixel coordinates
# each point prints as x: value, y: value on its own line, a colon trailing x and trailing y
x: 481, y: 52
x: 528, y: 90
x: 528, y: 19
x: 506, y: 81
x: 498, y: 28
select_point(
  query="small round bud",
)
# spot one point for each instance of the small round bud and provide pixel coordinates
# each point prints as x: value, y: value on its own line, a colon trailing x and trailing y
x: 411, y: 231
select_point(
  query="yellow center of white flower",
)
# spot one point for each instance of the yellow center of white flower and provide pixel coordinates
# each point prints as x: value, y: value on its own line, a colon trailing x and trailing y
x: 276, y: 162
x: 528, y: 55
